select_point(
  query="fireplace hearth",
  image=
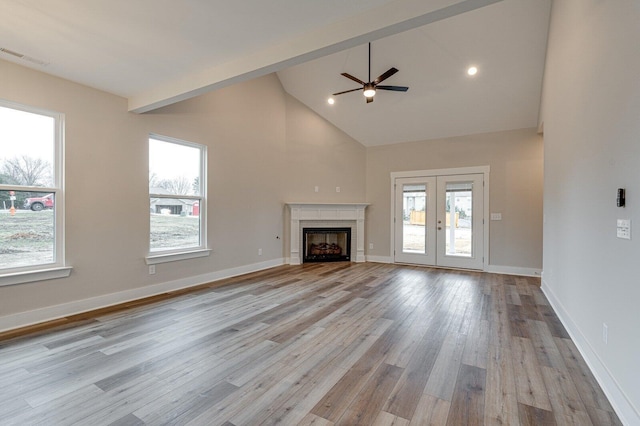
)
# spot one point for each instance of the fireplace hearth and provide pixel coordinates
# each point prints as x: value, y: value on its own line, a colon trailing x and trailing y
x: 326, y: 244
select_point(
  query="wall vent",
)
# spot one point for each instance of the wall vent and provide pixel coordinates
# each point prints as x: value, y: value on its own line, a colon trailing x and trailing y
x: 24, y: 57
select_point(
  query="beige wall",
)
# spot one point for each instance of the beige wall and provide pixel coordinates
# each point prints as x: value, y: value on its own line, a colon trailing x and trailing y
x: 591, y: 107
x: 320, y: 154
x: 264, y: 149
x: 515, y: 158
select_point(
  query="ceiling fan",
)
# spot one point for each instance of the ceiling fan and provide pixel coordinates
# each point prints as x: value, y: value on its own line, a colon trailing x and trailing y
x: 369, y: 89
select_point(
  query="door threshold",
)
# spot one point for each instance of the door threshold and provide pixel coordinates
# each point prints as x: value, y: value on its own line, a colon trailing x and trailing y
x: 439, y: 267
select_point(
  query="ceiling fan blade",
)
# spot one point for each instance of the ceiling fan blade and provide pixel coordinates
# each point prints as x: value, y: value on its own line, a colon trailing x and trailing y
x: 346, y: 91
x: 369, y: 100
x: 350, y: 77
x: 386, y: 75
x: 394, y: 88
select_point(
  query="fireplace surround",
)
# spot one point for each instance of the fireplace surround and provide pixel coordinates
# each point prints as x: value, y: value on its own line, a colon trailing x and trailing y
x: 326, y: 215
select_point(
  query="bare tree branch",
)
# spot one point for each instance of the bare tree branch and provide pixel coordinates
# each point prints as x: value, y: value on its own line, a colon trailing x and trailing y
x: 179, y: 186
x: 153, y: 179
x: 28, y: 171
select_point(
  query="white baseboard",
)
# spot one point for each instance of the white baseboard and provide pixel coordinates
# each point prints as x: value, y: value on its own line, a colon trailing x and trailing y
x: 379, y: 259
x: 628, y: 414
x: 513, y: 270
x: 23, y: 319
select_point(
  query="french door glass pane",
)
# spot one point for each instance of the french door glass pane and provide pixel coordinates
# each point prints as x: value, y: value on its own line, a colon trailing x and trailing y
x: 414, y: 211
x: 459, y: 214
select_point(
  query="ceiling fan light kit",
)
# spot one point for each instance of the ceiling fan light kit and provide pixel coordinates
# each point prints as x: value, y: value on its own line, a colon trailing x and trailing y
x: 369, y: 88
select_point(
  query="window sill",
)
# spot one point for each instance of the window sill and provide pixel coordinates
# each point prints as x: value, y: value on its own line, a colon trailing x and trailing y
x: 154, y: 259
x: 33, y: 276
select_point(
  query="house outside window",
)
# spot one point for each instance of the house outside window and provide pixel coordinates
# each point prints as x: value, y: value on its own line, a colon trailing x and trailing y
x: 31, y: 194
x: 177, y: 199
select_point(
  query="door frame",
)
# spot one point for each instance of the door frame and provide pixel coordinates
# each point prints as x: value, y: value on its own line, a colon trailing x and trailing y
x: 484, y: 170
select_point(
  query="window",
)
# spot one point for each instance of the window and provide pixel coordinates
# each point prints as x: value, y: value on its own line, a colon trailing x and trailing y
x: 177, y: 199
x: 31, y: 194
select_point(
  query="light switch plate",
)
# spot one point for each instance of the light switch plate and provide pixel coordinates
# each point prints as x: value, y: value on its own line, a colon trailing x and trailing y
x: 496, y: 216
x: 623, y: 229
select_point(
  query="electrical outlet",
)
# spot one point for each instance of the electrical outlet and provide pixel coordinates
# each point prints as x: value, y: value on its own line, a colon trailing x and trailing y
x: 259, y: 252
x: 152, y: 269
x: 605, y: 333
x: 370, y: 246
x: 337, y: 189
x: 317, y: 188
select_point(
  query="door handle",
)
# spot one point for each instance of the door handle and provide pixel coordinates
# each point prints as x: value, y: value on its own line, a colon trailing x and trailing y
x: 439, y: 228
x: 439, y: 221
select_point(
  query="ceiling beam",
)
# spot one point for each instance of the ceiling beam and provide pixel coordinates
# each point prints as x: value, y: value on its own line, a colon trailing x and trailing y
x: 392, y: 18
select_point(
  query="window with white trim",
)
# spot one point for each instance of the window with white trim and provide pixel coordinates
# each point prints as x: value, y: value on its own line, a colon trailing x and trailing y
x: 31, y: 193
x: 177, y: 198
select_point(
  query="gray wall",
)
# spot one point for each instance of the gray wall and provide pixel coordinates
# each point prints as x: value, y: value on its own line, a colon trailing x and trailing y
x: 515, y: 158
x: 591, y: 118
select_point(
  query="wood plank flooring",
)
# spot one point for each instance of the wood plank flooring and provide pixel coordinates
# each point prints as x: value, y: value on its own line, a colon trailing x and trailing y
x: 317, y: 344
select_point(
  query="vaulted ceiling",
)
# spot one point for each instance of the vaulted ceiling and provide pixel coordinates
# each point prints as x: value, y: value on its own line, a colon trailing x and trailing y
x: 156, y: 52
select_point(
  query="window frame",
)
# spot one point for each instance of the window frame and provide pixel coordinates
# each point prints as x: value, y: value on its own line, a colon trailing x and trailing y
x: 175, y: 254
x: 57, y: 268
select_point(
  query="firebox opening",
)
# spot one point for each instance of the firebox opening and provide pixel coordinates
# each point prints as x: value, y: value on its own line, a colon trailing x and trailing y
x: 326, y: 244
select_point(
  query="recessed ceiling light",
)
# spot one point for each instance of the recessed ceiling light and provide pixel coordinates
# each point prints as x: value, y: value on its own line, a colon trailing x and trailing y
x: 472, y: 70
x: 331, y: 101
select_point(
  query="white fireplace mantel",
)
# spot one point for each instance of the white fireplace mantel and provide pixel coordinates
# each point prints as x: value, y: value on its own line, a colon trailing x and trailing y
x: 329, y: 212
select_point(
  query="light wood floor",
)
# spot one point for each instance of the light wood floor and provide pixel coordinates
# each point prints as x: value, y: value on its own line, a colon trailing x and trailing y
x: 317, y: 344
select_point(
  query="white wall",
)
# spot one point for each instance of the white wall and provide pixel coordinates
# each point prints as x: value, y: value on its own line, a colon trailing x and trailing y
x: 591, y: 118
x: 254, y: 152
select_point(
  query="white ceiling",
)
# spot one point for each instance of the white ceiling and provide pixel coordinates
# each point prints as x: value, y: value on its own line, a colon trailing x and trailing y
x: 506, y: 41
x: 156, y: 52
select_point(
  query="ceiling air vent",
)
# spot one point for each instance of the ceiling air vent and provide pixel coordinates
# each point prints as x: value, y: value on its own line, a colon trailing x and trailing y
x: 24, y: 57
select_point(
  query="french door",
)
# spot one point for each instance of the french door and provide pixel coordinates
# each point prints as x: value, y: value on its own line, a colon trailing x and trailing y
x: 438, y: 220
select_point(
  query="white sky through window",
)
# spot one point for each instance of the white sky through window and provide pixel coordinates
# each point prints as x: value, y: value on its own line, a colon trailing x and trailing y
x: 169, y: 160
x: 25, y: 133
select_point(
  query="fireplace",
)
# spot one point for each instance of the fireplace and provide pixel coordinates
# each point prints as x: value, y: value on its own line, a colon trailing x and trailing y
x: 326, y: 215
x: 326, y: 244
